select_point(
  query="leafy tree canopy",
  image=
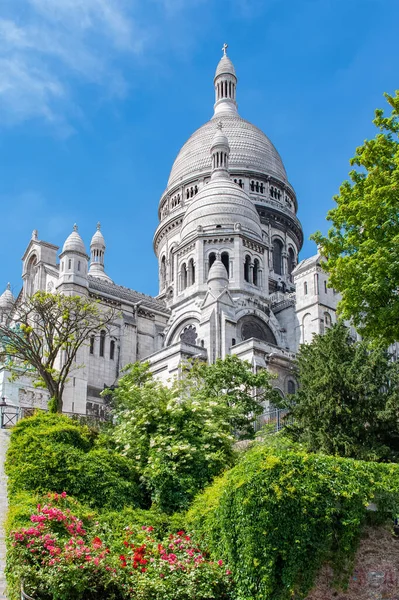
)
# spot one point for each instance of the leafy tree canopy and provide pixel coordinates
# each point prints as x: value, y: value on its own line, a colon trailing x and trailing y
x: 348, y: 400
x: 362, y: 246
x: 182, y: 436
x: 44, y: 335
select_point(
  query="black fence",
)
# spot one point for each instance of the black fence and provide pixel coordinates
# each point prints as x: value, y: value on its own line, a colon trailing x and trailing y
x: 274, y: 418
x: 10, y: 415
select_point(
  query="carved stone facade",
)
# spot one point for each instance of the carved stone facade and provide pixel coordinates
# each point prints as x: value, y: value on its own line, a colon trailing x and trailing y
x: 227, y: 243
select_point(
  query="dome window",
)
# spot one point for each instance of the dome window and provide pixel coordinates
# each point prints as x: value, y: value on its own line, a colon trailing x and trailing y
x: 163, y: 272
x: 211, y: 260
x: 112, y: 350
x: 291, y: 261
x: 256, y: 272
x: 191, y: 271
x: 278, y: 257
x: 183, y: 276
x: 102, y: 342
x: 247, y: 266
x: 226, y: 261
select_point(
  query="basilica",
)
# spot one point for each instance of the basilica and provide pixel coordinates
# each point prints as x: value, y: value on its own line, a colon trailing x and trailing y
x: 230, y: 281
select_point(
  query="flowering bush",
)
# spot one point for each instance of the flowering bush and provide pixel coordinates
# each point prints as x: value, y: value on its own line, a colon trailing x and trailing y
x: 62, y: 556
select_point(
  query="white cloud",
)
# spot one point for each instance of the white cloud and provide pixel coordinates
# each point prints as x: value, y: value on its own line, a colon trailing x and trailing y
x: 51, y: 45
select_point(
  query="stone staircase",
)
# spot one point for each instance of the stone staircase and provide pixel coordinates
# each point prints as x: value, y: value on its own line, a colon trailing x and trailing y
x: 4, y: 440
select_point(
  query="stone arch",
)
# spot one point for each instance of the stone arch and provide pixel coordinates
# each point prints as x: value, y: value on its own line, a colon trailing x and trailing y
x: 174, y: 334
x: 251, y: 326
x: 306, y: 328
x: 163, y: 272
x: 31, y: 271
x: 278, y: 256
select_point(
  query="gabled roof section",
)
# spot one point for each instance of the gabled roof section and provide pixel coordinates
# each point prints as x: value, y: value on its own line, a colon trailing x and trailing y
x: 121, y: 293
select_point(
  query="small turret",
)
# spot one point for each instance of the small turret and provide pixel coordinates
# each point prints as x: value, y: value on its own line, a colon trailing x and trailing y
x: 7, y: 301
x: 97, y: 252
x: 225, y: 83
x: 73, y: 261
x: 220, y: 152
x: 218, y: 279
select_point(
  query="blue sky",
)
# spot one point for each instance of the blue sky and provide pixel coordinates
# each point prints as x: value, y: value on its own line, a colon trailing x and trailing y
x: 98, y: 96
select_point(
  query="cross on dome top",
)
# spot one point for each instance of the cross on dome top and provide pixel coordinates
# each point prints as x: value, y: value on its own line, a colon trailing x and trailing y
x: 224, y: 48
x: 98, y: 226
x: 75, y: 227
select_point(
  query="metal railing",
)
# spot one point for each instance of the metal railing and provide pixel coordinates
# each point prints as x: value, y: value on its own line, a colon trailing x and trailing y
x: 10, y: 415
x: 275, y: 418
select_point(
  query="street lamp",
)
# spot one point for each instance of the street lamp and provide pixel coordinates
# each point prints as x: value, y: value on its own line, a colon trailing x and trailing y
x: 3, y: 405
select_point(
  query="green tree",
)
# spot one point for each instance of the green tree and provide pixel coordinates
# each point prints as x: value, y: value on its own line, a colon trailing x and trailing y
x: 44, y: 335
x: 348, y: 400
x: 362, y: 247
x: 182, y: 436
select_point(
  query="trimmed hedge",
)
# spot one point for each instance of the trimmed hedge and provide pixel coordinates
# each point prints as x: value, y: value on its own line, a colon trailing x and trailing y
x: 53, y: 453
x: 280, y: 514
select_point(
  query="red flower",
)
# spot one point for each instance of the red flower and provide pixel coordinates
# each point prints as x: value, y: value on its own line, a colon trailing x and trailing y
x: 180, y: 533
x: 143, y: 570
x: 97, y: 543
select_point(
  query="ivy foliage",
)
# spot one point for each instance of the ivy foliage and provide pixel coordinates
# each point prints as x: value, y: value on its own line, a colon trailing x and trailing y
x: 348, y: 399
x: 279, y: 514
x: 50, y: 452
x: 362, y: 246
x: 181, y: 437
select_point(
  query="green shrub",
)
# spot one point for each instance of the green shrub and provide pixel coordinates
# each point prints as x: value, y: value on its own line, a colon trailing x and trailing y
x: 52, y: 453
x: 280, y: 513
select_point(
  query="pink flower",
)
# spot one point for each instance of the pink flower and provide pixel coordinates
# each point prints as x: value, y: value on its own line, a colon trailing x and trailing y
x: 220, y: 563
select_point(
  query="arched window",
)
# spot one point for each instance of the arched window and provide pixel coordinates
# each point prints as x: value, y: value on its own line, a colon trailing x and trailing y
x: 252, y: 186
x: 183, y: 273
x: 171, y: 265
x: 226, y: 261
x: 291, y: 260
x: 278, y: 257
x: 102, y: 342
x: 69, y: 264
x: 307, y: 328
x: 305, y: 287
x: 92, y: 344
x: 327, y: 319
x: 112, y: 350
x: 163, y: 272
x: 211, y: 259
x: 78, y: 265
x: 291, y: 388
x: 247, y: 265
x: 191, y: 271
x: 256, y: 272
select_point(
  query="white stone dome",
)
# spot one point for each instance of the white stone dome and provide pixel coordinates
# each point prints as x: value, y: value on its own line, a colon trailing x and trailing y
x: 250, y: 150
x: 6, y: 298
x: 218, y: 280
x: 98, y: 238
x: 221, y: 204
x: 74, y: 242
x: 225, y: 66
